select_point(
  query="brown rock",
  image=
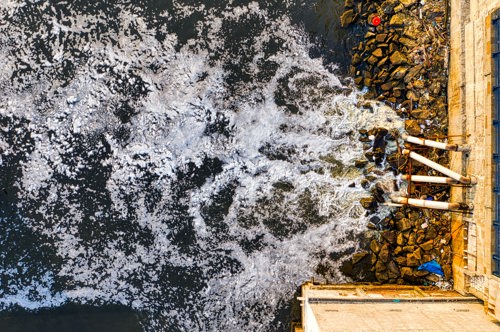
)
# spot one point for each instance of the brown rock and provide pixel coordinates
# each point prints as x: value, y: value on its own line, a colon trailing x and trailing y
x: 356, y: 59
x: 382, y: 276
x: 375, y: 246
x: 418, y: 253
x: 384, y: 253
x: 412, y: 239
x: 448, y: 274
x: 399, y: 73
x: 432, y: 277
x: 412, y: 260
x: 408, y: 248
x: 356, y: 258
x: 407, y: 3
x: 427, y: 245
x: 399, y: 215
x: 372, y: 60
x: 412, y: 73
x: 400, y: 239
x: 386, y: 86
x: 401, y: 260
x: 418, y: 84
x: 393, y: 270
x: 348, y: 17
x: 389, y: 236
x: 397, y: 58
x: 398, y: 250
x: 413, y: 127
x: 379, y: 266
x: 421, y: 114
x: 368, y: 203
x: 360, y: 163
x: 397, y: 20
x: 408, y: 42
x: 378, y: 53
x: 381, y: 37
x: 349, y: 3
x: 406, y: 271
x: 420, y: 237
x: 404, y: 224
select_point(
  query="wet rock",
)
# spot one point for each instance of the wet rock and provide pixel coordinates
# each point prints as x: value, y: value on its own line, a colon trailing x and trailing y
x: 349, y: 3
x: 375, y: 246
x: 347, y: 17
x: 358, y: 257
x: 360, y: 163
x: 368, y: 203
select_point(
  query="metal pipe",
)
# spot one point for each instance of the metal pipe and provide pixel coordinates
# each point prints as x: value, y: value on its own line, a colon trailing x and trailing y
x: 430, y: 179
x: 434, y: 144
x: 437, y: 205
x: 439, y: 168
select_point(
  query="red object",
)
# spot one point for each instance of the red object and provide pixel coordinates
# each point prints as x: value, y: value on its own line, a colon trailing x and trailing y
x: 376, y: 20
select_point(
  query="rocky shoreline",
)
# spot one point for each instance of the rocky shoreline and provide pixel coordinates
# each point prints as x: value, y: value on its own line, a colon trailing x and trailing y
x: 402, y: 61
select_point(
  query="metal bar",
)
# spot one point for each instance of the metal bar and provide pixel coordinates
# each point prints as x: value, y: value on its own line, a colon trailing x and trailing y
x: 439, y: 168
x: 430, y: 179
x: 437, y: 205
x: 435, y: 144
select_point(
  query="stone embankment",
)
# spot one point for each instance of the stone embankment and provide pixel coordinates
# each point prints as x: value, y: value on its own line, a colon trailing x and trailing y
x: 402, y: 61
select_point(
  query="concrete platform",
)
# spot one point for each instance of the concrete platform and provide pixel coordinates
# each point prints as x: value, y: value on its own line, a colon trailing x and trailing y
x: 329, y: 308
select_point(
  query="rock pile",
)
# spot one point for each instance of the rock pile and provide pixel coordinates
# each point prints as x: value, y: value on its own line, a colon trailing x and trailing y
x: 410, y: 238
x: 402, y: 62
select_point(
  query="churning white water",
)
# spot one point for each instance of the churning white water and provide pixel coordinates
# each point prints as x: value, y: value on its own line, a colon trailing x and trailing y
x: 195, y: 164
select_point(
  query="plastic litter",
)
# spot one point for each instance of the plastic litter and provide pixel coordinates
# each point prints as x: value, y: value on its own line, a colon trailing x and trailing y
x: 432, y: 267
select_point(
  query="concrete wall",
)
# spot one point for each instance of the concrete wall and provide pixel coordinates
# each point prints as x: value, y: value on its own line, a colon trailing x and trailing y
x: 470, y: 122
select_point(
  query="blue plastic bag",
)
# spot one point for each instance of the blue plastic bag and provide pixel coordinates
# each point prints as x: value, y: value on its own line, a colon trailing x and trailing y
x: 432, y: 267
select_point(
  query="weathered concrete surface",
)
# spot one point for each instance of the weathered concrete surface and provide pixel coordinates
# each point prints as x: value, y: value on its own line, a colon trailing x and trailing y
x: 470, y: 122
x: 329, y: 308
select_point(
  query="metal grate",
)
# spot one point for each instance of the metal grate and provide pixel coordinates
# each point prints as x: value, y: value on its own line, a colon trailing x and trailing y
x: 496, y: 135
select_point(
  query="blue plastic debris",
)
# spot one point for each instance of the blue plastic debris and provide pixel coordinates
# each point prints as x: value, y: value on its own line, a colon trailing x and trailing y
x: 432, y: 267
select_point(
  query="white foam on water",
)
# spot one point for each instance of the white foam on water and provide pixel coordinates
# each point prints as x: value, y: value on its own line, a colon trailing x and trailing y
x: 165, y: 136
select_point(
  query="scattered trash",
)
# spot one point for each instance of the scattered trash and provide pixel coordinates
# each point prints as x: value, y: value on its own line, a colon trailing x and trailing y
x: 432, y: 267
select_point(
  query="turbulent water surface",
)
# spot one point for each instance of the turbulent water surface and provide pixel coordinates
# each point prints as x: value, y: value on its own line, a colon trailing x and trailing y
x: 190, y: 160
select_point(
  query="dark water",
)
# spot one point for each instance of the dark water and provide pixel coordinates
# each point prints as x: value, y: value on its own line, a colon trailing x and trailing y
x: 72, y: 318
x: 190, y: 161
